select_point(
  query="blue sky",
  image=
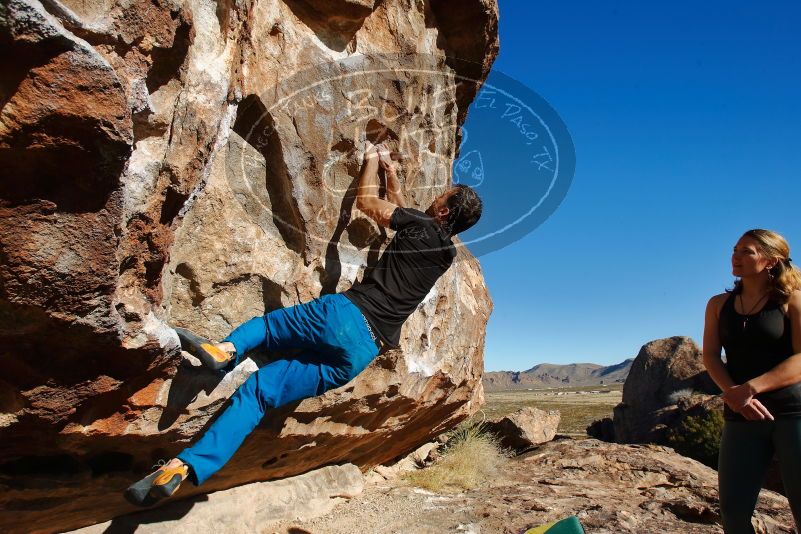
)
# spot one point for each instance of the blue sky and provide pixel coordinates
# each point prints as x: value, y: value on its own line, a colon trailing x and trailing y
x: 686, y: 121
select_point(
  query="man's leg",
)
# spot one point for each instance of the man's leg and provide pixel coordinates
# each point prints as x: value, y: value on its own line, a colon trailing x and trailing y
x: 283, y: 381
x: 333, y: 334
x: 746, y: 449
x: 330, y: 323
x: 277, y: 383
x: 296, y: 327
x: 246, y: 337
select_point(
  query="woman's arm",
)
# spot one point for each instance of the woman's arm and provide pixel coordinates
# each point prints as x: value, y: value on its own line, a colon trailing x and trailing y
x: 789, y: 371
x: 712, y: 362
x: 737, y: 398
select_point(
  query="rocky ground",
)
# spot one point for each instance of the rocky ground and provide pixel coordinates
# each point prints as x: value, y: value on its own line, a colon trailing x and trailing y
x: 611, y: 488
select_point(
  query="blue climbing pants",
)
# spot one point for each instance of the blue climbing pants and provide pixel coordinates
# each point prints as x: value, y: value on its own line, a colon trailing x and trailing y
x: 746, y: 450
x: 335, y: 345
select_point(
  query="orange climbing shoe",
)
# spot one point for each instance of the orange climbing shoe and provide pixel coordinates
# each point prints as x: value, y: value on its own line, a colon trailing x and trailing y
x: 169, y: 480
x: 209, y: 355
x: 158, y: 485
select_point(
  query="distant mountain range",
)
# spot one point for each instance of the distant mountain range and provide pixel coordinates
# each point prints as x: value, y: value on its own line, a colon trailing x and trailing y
x: 551, y: 375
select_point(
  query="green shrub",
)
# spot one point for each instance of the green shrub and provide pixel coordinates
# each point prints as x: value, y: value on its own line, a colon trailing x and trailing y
x: 699, y: 437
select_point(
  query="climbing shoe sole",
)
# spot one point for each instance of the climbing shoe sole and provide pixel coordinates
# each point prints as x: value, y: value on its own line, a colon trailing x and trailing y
x: 168, y: 481
x: 138, y: 493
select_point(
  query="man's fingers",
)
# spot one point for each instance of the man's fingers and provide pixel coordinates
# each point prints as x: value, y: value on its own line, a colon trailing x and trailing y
x: 384, y: 153
x: 370, y: 150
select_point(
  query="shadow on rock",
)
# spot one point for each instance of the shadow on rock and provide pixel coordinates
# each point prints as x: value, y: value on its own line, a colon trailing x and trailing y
x: 128, y: 524
x: 187, y: 383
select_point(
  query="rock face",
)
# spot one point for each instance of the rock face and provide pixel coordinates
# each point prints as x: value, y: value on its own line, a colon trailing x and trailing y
x: 664, y: 419
x: 663, y: 371
x: 525, y: 428
x: 630, y: 488
x: 193, y: 164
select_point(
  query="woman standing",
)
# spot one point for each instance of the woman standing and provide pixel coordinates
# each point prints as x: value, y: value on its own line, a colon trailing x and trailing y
x: 758, y: 323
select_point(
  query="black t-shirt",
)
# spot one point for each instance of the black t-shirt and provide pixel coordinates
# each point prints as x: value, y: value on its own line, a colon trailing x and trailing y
x: 417, y: 256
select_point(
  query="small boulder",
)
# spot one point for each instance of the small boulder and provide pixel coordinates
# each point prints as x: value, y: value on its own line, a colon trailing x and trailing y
x: 424, y: 454
x: 525, y: 428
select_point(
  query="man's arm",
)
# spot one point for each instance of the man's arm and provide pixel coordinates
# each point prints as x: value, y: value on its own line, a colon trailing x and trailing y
x: 367, y: 192
x: 394, y: 191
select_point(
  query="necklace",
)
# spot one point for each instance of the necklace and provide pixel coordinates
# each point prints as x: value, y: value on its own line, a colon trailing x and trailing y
x: 747, y: 315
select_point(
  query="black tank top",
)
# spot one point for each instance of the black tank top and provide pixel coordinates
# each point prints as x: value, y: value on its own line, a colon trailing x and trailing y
x: 756, y: 344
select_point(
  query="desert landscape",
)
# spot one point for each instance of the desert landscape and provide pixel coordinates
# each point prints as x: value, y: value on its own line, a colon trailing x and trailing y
x: 195, y: 165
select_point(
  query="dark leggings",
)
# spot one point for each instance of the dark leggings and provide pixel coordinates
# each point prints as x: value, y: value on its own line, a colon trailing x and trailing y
x: 746, y: 450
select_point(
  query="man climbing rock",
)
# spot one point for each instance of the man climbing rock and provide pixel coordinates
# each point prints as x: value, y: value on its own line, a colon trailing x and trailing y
x: 337, y: 335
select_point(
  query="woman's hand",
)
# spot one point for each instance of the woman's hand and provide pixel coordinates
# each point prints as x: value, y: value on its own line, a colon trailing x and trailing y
x: 755, y: 411
x: 741, y: 400
x: 737, y: 397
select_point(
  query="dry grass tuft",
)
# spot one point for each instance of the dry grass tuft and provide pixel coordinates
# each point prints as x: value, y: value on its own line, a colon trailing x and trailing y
x: 471, y: 456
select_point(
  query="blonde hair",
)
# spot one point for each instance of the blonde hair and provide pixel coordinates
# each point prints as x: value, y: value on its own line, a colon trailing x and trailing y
x: 784, y: 276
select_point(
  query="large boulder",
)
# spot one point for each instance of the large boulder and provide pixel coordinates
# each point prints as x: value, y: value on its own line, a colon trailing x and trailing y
x: 664, y: 371
x: 667, y: 385
x: 193, y: 164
